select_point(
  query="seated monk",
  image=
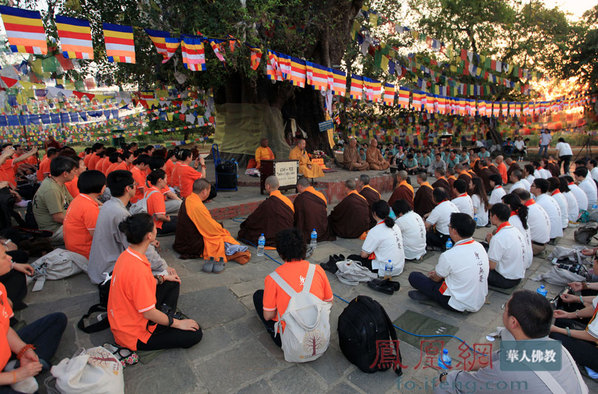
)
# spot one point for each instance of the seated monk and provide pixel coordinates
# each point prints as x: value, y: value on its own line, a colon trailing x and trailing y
x: 371, y: 195
x: 374, y: 157
x: 351, y: 217
x: 310, y: 212
x: 263, y: 152
x: 352, y: 160
x: 306, y: 167
x: 423, y: 201
x: 198, y: 235
x: 403, y: 190
x: 275, y: 214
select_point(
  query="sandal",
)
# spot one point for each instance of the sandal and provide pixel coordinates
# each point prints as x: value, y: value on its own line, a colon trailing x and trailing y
x: 122, y: 354
x: 381, y: 286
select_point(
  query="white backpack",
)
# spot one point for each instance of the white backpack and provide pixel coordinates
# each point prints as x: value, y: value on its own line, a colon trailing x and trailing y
x: 306, y: 335
x: 141, y: 205
x: 58, y: 264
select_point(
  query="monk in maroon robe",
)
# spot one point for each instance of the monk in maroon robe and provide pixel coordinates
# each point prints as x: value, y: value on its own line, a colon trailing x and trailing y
x: 423, y: 202
x: 371, y: 195
x: 440, y: 180
x: 188, y: 240
x: 275, y: 214
x: 403, y: 190
x: 310, y: 212
x: 351, y: 217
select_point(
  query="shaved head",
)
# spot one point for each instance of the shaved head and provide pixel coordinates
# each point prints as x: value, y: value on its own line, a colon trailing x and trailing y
x: 272, y: 181
x: 350, y: 184
x: 303, y: 182
x: 403, y: 174
x: 365, y: 179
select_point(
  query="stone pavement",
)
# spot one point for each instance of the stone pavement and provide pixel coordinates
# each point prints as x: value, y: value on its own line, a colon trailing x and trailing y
x: 237, y: 355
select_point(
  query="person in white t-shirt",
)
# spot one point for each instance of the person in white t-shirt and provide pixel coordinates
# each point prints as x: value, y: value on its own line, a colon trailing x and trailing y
x: 580, y: 195
x: 479, y: 199
x: 554, y: 190
x: 528, y: 172
x: 459, y: 280
x: 507, y: 252
x: 520, y: 149
x: 437, y: 221
x: 572, y: 207
x: 463, y: 202
x: 538, y: 190
x: 565, y: 154
x: 593, y: 168
x: 537, y: 220
x: 518, y: 219
x: 540, y: 171
x: 412, y: 228
x: 497, y: 190
x: 384, y: 242
x: 545, y: 139
x: 519, y: 182
x: 586, y: 184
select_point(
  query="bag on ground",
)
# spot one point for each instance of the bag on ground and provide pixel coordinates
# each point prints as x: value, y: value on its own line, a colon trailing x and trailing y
x: 306, y: 320
x: 352, y: 272
x: 58, y: 264
x: 585, y: 233
x: 363, y: 328
x: 95, y: 370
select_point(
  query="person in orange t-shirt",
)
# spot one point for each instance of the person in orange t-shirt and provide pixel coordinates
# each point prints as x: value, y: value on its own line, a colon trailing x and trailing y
x: 187, y: 174
x: 34, y: 345
x: 72, y: 186
x: 136, y: 303
x: 156, y: 205
x: 44, y: 165
x: 273, y: 301
x: 9, y: 163
x: 139, y: 168
x: 82, y: 214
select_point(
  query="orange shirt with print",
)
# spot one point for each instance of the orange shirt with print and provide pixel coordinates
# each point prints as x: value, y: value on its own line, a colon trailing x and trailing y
x: 294, y: 273
x: 72, y: 187
x: 187, y: 175
x: 5, y: 314
x: 132, y: 292
x: 7, y: 172
x: 139, y: 177
x: 156, y: 204
x: 44, y: 167
x: 80, y: 219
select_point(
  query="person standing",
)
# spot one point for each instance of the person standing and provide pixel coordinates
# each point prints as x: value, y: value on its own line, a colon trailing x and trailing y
x: 545, y: 139
x: 565, y: 154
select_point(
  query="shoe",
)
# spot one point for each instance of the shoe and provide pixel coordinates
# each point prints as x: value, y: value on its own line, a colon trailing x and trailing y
x: 330, y: 265
x: 418, y: 295
x: 393, y: 284
x: 218, y: 267
x: 381, y: 286
x: 208, y: 266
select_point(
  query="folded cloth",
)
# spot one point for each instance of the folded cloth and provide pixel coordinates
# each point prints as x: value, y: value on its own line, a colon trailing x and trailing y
x: 351, y: 273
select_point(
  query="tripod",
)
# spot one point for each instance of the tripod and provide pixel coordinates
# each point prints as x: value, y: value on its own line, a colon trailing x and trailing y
x: 587, y: 146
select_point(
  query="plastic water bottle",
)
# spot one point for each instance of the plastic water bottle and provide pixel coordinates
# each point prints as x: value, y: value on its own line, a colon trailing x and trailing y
x: 313, y: 243
x: 475, y: 218
x: 593, y: 374
x: 594, y: 206
x: 388, y: 270
x: 449, y: 244
x: 261, y: 245
x: 542, y: 291
x: 444, y: 360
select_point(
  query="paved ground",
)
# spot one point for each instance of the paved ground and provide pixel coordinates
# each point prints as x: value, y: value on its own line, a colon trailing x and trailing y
x: 236, y: 354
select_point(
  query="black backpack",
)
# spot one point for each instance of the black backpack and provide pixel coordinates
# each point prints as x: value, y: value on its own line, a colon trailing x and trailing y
x: 584, y: 234
x: 362, y: 324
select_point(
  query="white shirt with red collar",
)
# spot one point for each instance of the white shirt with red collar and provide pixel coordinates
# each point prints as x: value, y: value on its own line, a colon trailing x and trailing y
x: 538, y: 222
x: 554, y: 214
x: 464, y: 203
x: 562, y: 201
x: 516, y: 222
x: 580, y: 196
x: 441, y: 216
x: 508, y: 250
x: 496, y: 195
x: 465, y: 269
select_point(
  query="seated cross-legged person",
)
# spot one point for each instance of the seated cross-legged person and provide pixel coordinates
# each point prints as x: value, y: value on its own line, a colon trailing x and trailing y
x: 537, y: 220
x: 34, y: 345
x: 137, y: 299
x: 80, y: 220
x: 497, y: 190
x: 156, y: 206
x: 384, y: 242
x: 459, y: 281
x: 412, y: 228
x: 273, y: 300
x: 350, y: 218
x: 507, y: 251
x: 463, y: 202
x: 538, y: 189
x: 437, y: 222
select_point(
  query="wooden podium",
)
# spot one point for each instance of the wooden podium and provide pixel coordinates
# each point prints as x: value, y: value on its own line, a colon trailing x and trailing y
x: 285, y: 170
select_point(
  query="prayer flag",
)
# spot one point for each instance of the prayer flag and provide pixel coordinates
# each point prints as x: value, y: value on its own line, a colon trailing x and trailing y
x: 317, y: 75
x: 256, y: 57
x: 120, y: 46
x: 273, y: 70
x: 165, y: 44
x: 340, y: 82
x: 298, y: 71
x: 24, y: 30
x: 356, y: 91
x: 389, y: 93
x: 194, y: 57
x: 217, y: 48
x: 403, y: 97
x: 75, y: 37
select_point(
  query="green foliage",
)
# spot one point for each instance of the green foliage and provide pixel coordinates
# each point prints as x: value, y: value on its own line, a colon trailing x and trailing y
x: 582, y: 58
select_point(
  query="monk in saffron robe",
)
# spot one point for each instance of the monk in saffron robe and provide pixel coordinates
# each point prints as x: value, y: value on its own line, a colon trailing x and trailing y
x: 371, y: 195
x: 310, y: 212
x: 263, y: 152
x: 198, y: 235
x: 306, y: 167
x: 374, y: 157
x: 423, y: 202
x: 275, y: 214
x: 403, y: 190
x: 352, y: 160
x: 441, y: 180
x: 351, y: 217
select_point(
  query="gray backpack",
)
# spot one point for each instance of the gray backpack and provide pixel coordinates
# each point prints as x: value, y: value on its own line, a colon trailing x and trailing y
x: 586, y: 233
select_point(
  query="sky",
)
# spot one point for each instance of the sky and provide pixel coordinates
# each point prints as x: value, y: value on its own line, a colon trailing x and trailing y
x: 575, y: 7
